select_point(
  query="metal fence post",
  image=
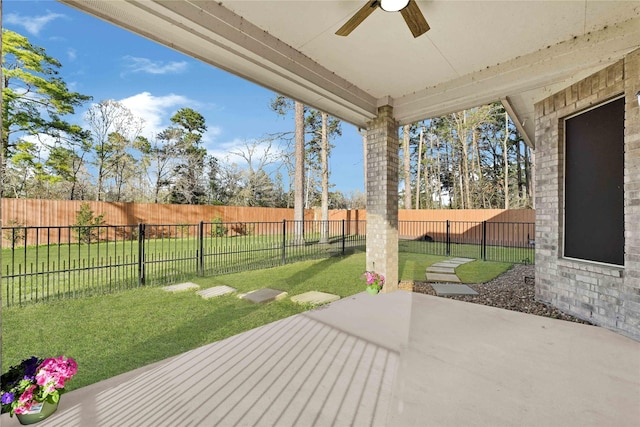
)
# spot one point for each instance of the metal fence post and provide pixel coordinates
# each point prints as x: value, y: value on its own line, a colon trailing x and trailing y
x: 141, y: 269
x: 344, y: 237
x: 483, y: 249
x: 448, y: 238
x: 284, y: 241
x: 201, y: 248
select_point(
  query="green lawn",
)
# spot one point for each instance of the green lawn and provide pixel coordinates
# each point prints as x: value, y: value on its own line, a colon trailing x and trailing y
x: 481, y: 271
x: 412, y: 266
x: 116, y: 333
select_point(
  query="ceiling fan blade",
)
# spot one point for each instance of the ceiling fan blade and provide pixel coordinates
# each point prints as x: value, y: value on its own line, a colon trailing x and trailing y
x: 414, y: 19
x: 357, y: 19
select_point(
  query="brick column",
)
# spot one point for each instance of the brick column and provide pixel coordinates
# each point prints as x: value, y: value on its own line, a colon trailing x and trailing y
x: 382, y: 197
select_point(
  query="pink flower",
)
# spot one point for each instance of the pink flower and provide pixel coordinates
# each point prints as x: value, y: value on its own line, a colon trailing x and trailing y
x: 27, y: 395
x: 22, y: 409
x: 55, y: 371
x: 373, y: 278
x: 39, y: 382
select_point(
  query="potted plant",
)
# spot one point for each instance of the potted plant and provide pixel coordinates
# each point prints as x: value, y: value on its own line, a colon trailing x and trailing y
x: 32, y: 389
x: 375, y: 281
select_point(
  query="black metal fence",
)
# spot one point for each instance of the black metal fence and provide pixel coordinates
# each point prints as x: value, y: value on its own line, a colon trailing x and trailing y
x: 40, y: 263
x: 490, y: 241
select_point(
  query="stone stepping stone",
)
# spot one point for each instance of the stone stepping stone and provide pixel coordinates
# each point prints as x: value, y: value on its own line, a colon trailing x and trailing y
x: 264, y: 295
x: 460, y: 261
x: 315, y: 298
x: 438, y: 269
x: 445, y: 289
x: 448, y: 264
x: 442, y: 277
x: 181, y: 287
x: 216, y: 291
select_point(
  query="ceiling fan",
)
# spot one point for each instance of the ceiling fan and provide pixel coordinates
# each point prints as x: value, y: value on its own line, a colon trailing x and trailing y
x: 408, y: 8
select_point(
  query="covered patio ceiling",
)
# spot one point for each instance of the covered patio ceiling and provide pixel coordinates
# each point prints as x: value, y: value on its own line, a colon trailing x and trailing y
x: 517, y: 52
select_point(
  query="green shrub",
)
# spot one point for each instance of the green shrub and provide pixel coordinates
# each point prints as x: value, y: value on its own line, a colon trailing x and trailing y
x: 217, y: 228
x: 87, y: 224
x: 17, y: 234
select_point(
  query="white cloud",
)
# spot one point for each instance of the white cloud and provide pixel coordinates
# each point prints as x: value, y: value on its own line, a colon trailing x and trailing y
x: 209, y: 137
x: 32, y: 24
x: 144, y: 65
x: 156, y: 112
x: 72, y: 54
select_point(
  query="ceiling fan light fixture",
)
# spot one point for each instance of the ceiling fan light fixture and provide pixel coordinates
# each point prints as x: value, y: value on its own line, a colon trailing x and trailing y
x: 393, y: 5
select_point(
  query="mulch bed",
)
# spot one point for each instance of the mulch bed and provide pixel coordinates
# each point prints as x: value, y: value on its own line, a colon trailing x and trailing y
x: 513, y: 290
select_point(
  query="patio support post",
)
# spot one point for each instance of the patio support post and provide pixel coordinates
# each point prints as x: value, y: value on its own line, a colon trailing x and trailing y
x: 382, y: 196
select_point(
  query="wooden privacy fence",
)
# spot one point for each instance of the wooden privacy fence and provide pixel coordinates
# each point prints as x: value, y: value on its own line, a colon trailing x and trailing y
x: 30, y: 220
x: 37, y: 212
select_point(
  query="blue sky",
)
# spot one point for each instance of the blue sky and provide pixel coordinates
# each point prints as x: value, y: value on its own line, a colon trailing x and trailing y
x: 106, y: 62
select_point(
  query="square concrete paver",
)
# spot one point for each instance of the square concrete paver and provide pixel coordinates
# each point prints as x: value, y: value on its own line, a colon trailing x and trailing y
x: 448, y: 264
x: 442, y: 277
x: 445, y: 289
x: 315, y: 298
x: 448, y: 270
x: 264, y: 295
x: 181, y: 287
x: 216, y: 291
x: 460, y: 261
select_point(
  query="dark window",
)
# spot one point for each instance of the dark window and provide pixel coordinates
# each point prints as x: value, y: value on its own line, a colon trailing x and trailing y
x: 594, y: 184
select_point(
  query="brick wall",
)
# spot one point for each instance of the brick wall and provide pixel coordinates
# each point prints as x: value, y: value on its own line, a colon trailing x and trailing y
x: 606, y: 295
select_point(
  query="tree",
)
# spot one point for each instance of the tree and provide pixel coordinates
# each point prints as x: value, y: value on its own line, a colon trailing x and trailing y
x: 321, y: 129
x: 324, y: 156
x: 22, y: 169
x: 298, y: 204
x: 160, y: 155
x: 311, y: 156
x: 505, y: 154
x: 356, y: 200
x: 256, y: 188
x: 34, y: 98
x: 406, y: 165
x: 281, y: 105
x: 87, y: 225
x: 215, y: 190
x: 189, y: 173
x: 113, y: 131
x: 420, y: 160
x: 68, y: 163
x: 469, y: 160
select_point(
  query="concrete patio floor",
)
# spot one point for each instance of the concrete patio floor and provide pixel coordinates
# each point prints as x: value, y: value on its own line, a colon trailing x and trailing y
x: 398, y: 359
